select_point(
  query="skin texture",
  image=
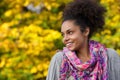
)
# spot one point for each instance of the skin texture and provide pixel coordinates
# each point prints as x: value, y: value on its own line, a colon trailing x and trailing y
x: 75, y: 40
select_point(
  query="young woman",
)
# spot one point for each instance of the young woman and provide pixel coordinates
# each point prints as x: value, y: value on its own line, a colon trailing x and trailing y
x: 82, y: 58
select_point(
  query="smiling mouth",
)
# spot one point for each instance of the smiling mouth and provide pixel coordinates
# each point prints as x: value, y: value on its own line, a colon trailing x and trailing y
x: 69, y: 44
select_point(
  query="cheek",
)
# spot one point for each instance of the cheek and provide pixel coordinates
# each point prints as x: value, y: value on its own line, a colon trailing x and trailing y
x: 79, y: 41
x: 78, y: 38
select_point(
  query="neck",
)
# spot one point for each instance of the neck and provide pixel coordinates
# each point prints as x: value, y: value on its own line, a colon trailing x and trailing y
x: 83, y: 53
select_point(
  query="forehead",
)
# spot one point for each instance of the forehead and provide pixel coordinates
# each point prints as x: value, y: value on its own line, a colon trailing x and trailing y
x: 68, y: 25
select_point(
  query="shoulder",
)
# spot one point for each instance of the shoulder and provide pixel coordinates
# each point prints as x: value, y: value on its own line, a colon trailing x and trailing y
x: 112, y: 54
x: 57, y: 57
x: 113, y: 59
x: 113, y: 64
x: 54, y: 67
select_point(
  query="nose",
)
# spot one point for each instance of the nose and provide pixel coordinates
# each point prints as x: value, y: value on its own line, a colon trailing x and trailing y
x: 65, y: 38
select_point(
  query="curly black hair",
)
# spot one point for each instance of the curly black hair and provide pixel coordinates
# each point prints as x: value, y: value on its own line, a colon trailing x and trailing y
x: 86, y: 13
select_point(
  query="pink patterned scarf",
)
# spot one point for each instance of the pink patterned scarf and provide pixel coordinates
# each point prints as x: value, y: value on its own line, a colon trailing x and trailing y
x: 94, y: 69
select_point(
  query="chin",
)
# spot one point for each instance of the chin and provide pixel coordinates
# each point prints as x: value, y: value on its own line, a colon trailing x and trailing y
x: 71, y: 49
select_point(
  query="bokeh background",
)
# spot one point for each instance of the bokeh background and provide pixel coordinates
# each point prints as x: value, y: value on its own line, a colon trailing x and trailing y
x: 30, y: 35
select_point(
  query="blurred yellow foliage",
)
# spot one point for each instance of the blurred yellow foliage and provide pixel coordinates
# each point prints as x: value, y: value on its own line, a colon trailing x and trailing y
x: 8, y: 13
x: 29, y: 39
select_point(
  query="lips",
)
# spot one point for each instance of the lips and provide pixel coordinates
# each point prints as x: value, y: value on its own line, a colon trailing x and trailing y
x: 68, y: 45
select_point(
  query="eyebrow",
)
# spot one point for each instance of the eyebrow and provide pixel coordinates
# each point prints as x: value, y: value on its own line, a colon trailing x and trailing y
x: 66, y: 31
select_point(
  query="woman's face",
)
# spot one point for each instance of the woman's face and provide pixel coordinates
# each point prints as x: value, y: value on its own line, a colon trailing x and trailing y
x: 73, y: 38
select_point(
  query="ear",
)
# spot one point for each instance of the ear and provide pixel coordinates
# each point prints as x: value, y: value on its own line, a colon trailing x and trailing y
x: 87, y: 31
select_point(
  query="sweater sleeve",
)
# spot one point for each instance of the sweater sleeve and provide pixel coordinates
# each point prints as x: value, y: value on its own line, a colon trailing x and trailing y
x: 54, y: 68
x: 113, y: 65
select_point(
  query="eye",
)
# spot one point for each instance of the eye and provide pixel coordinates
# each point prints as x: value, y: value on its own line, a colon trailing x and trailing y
x: 70, y: 32
x: 62, y: 34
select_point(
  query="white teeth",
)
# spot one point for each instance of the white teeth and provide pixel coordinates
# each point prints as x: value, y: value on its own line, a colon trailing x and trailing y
x: 68, y: 44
